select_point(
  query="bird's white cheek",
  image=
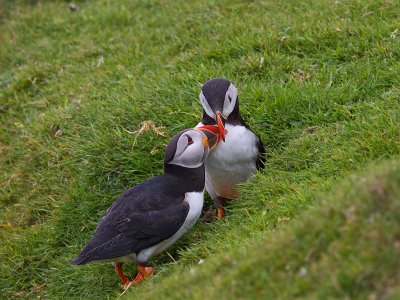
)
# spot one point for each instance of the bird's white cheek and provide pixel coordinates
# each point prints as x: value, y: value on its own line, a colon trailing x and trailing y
x: 191, y: 158
x: 206, y: 106
x: 230, y: 100
x: 228, y: 107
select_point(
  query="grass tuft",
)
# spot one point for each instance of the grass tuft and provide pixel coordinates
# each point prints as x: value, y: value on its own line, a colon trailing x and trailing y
x: 344, y: 246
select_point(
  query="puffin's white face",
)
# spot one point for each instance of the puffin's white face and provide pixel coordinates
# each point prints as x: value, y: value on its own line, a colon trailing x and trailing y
x: 229, y: 102
x: 207, y: 108
x: 191, y: 149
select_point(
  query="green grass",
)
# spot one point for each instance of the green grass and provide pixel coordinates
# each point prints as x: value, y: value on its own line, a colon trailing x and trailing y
x: 320, y: 82
x: 345, y: 246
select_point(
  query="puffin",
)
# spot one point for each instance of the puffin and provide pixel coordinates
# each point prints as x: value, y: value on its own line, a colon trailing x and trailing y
x: 150, y: 217
x: 242, y: 152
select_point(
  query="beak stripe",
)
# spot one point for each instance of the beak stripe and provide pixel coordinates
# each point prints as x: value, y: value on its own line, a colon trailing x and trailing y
x: 221, y: 126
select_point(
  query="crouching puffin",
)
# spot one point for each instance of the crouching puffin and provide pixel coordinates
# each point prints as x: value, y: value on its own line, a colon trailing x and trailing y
x: 149, y: 217
x: 242, y: 153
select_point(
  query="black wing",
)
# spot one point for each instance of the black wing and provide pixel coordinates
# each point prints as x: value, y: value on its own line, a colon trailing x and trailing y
x: 142, y: 217
x: 261, y: 154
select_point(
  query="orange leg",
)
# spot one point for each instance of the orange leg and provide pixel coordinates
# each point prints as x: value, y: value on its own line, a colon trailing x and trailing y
x: 120, y: 273
x: 143, y: 273
x: 220, y: 203
x: 221, y: 212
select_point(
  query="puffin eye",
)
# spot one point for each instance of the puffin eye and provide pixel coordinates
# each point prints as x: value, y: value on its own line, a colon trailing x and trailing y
x: 230, y: 98
x: 190, y: 140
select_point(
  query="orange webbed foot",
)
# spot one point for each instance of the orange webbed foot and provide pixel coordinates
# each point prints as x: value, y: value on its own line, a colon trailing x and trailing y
x: 143, y: 274
x: 221, y: 213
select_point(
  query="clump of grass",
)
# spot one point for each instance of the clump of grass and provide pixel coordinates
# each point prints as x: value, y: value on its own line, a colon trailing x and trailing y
x: 318, y: 81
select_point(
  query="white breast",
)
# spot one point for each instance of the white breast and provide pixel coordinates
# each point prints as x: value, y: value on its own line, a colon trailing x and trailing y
x: 232, y: 162
x: 195, y: 200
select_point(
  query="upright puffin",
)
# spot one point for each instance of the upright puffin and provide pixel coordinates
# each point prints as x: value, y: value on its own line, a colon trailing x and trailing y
x: 149, y: 217
x: 242, y: 153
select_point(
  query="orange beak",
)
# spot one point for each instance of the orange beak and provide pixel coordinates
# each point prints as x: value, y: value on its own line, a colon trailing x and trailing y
x: 212, y: 133
x: 220, y: 126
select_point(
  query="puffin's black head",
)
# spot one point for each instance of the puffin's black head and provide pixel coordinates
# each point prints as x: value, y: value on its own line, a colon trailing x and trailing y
x: 188, y: 149
x: 219, y: 99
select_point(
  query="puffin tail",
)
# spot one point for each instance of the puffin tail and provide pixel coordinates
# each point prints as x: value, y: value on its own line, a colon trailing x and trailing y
x: 80, y: 260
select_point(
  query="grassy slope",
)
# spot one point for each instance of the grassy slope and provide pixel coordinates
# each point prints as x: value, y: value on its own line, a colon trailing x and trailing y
x: 319, y: 81
x: 346, y: 246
